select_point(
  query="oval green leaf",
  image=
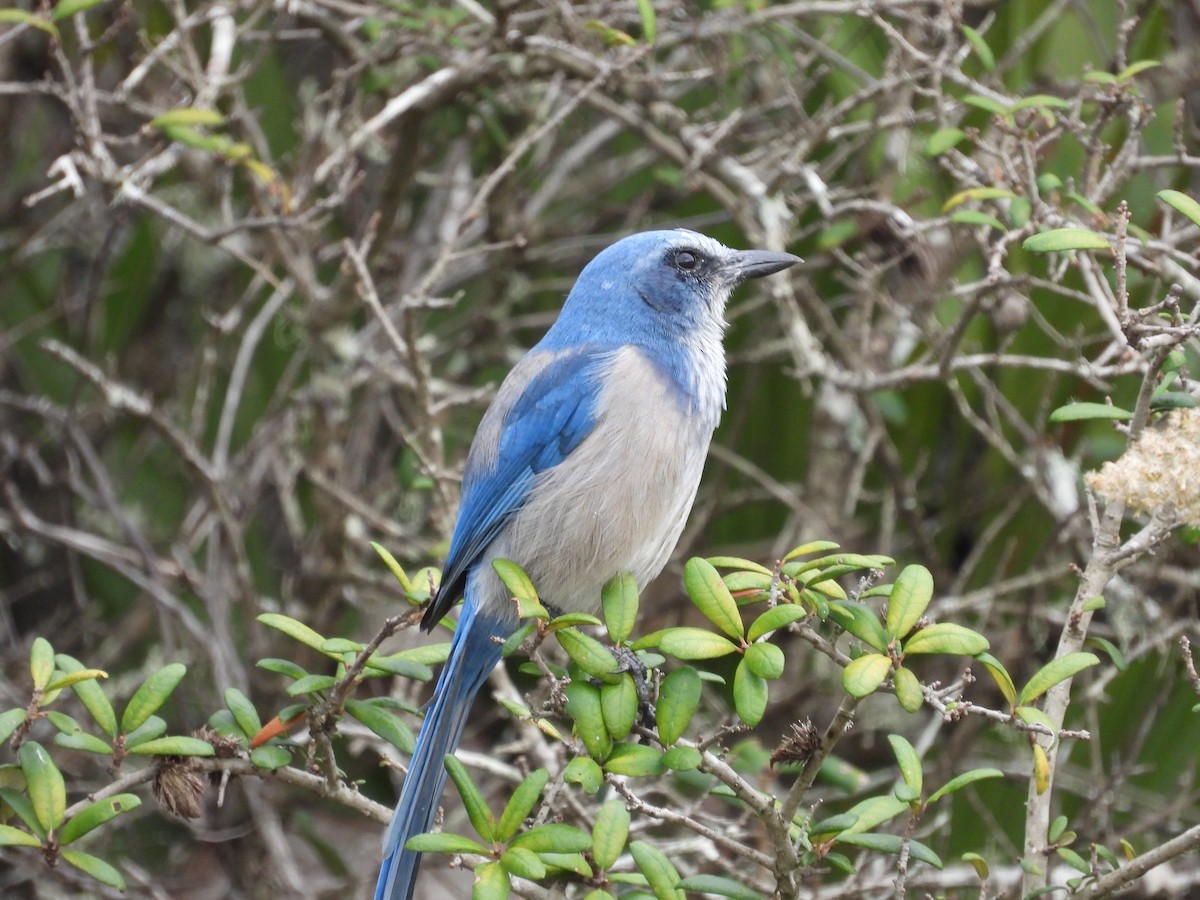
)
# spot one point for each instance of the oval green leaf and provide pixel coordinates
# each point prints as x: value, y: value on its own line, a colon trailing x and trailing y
x: 1054, y: 672
x: 865, y: 674
x: 1181, y: 203
x: 694, y: 643
x: 910, y: 597
x: 96, y: 814
x: 1059, y: 240
x: 678, y: 699
x: 610, y: 833
x: 151, y: 695
x: 765, y: 660
x: 711, y: 596
x: 946, y: 637
x: 44, y: 784
x: 1074, y: 412
x: 521, y: 804
x: 619, y: 705
x: 749, y: 694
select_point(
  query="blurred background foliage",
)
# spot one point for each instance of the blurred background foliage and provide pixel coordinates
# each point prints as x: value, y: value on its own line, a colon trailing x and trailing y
x: 262, y: 266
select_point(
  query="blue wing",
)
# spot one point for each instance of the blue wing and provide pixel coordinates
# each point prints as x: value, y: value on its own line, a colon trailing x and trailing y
x: 534, y: 428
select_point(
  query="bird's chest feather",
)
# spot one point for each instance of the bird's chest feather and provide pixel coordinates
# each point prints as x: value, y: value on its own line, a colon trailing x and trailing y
x: 620, y: 500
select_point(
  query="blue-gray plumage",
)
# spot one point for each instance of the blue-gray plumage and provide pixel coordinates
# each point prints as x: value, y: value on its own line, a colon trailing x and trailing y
x: 584, y: 467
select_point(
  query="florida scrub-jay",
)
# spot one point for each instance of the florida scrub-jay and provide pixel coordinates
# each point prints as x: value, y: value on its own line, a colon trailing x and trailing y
x: 584, y: 467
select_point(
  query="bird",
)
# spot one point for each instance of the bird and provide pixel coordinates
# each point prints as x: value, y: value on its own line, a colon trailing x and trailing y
x: 584, y: 467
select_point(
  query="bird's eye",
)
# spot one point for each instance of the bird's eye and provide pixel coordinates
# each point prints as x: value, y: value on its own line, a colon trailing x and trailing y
x: 686, y: 260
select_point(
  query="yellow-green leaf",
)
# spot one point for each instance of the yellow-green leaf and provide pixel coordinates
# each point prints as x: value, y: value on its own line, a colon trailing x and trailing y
x: 1060, y: 240
x: 865, y: 674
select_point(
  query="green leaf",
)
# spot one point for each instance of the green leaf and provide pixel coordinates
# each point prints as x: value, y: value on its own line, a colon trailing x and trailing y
x: 620, y: 602
x: 891, y: 843
x: 1054, y: 672
x: 719, y: 885
x: 865, y: 674
x: 400, y: 664
x: 946, y: 637
x: 97, y: 868
x: 1136, y: 69
x: 1074, y: 412
x: 529, y: 605
x: 775, y: 618
x: 21, y: 17
x: 978, y: 863
x: 15, y: 837
x: 1073, y: 859
x: 90, y: 694
x: 1059, y: 240
x: 297, y: 631
x: 1181, y: 203
x: 678, y: 699
x: 1114, y: 653
x: 908, y: 690
x: 589, y: 654
x: 521, y: 804
x: 584, y: 771
x: 65, y: 8
x: 9, y: 720
x: 980, y: 46
x: 710, y: 594
x: 910, y: 764
x: 861, y: 622
x: 567, y: 863
x: 1031, y: 715
x: 64, y: 680
x: 96, y: 814
x: 910, y: 597
x: 243, y: 711
x: 649, y: 23
x: 584, y: 708
x: 44, y: 784
x: 83, y: 742
x: 1000, y: 675
x: 749, y: 694
x: 979, y: 193
x: 660, y: 873
x: 987, y: 104
x: 150, y: 729
x: 619, y: 706
x: 1168, y: 400
x: 1040, y: 101
x: 41, y: 663
x: 610, y: 833
x: 482, y: 819
x: 491, y: 882
x: 523, y: 863
x: 942, y: 140
x: 177, y: 745
x: 151, y: 695
x: 635, y: 761
x: 740, y: 564
x: 958, y: 782
x: 765, y: 660
x: 270, y: 756
x: 445, y: 842
x: 395, y: 567
x: 311, y: 684
x: 284, y: 667
x: 383, y: 723
x: 553, y: 838
x: 682, y: 759
x: 692, y: 643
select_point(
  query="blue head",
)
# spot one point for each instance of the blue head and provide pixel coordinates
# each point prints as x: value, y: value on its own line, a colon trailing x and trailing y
x: 657, y: 288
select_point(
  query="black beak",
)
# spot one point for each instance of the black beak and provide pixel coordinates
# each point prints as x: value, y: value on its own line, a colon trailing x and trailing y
x: 744, y: 264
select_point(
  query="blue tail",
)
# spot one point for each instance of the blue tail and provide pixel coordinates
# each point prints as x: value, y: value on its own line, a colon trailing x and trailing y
x: 473, y: 655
